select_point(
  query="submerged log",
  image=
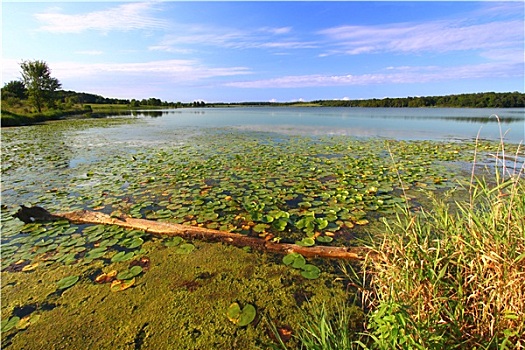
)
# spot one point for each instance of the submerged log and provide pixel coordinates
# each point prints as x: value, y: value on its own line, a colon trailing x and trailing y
x: 159, y: 228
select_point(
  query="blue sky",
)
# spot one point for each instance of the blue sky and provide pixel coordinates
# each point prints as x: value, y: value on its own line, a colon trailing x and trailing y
x: 269, y: 51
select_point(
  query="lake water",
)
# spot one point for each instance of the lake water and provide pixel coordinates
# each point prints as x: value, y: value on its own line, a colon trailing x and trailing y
x: 395, y: 123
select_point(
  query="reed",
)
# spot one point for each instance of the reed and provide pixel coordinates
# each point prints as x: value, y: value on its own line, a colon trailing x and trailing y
x: 453, y: 276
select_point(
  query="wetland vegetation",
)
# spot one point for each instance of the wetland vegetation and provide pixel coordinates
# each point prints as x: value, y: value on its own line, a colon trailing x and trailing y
x: 413, y: 201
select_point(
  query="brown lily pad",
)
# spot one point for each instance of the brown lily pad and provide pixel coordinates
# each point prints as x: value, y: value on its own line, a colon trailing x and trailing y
x: 106, y: 277
x: 120, y: 285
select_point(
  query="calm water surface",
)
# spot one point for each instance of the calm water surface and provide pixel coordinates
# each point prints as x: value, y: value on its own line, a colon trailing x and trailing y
x: 395, y: 123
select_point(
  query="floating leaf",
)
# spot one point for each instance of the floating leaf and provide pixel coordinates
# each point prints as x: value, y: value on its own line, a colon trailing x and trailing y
x: 27, y: 321
x: 120, y: 285
x: 259, y: 228
x: 324, y: 239
x: 234, y: 312
x: 30, y: 267
x: 10, y: 323
x: 122, y: 256
x: 175, y: 241
x: 129, y: 273
x: 306, y: 242
x: 185, y: 248
x: 362, y: 222
x: 294, y: 260
x: 310, y: 271
x: 106, y: 277
x: 242, y: 317
x: 67, y: 282
x: 132, y: 243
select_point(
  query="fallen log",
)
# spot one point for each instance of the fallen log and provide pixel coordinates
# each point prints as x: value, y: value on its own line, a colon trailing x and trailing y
x: 160, y: 228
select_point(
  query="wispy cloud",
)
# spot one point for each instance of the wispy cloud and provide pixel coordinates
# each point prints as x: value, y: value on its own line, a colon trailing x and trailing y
x: 183, y: 70
x: 231, y: 38
x: 391, y: 75
x: 124, y: 17
x: 436, y: 36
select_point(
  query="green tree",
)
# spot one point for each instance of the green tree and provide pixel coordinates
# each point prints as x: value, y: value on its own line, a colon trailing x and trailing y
x: 40, y: 86
x: 14, y: 88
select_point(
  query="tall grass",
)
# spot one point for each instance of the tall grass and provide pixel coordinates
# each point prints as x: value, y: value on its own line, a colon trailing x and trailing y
x: 451, y: 276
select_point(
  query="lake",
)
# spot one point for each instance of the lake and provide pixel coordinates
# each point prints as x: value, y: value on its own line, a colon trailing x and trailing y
x: 395, y: 123
x: 321, y: 176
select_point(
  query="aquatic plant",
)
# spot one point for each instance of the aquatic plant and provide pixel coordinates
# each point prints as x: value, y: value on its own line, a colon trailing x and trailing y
x: 241, y: 317
x: 67, y: 282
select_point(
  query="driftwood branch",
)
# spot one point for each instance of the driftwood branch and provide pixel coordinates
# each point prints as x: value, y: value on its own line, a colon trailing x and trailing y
x: 170, y: 229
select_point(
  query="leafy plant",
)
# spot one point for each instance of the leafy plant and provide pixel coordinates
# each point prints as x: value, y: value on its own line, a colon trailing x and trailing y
x: 241, y: 317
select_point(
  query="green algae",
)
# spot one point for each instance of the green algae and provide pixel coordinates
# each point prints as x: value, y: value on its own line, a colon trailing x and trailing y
x: 179, y: 303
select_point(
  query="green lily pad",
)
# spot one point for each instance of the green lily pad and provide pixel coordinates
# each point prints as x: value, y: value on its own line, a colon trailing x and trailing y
x: 9, y: 323
x: 294, y: 260
x: 132, y: 243
x: 129, y: 273
x: 122, y: 256
x: 306, y: 242
x: 185, y: 248
x: 259, y: 228
x: 324, y: 239
x: 67, y: 282
x: 96, y: 253
x: 173, y: 242
x: 310, y: 271
x: 242, y: 317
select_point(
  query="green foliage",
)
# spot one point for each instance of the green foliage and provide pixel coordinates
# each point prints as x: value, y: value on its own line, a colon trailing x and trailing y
x: 475, y: 100
x: 14, y: 88
x: 40, y: 86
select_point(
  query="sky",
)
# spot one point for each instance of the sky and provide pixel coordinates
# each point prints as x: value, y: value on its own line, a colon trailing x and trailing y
x: 271, y: 50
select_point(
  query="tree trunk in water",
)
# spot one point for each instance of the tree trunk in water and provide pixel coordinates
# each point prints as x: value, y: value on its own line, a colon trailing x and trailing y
x: 159, y: 228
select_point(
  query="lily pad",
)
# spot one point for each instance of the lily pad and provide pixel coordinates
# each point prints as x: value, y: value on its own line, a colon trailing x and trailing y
x: 185, y: 248
x: 310, y: 271
x: 27, y: 321
x: 294, y: 260
x: 67, y: 282
x: 324, y: 239
x: 173, y: 242
x: 106, y: 277
x: 120, y: 285
x: 122, y: 256
x: 242, y: 317
x: 129, y: 273
x: 10, y: 323
x: 132, y: 243
x: 306, y: 242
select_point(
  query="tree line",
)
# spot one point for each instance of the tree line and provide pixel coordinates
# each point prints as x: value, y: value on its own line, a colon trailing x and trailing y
x: 472, y: 100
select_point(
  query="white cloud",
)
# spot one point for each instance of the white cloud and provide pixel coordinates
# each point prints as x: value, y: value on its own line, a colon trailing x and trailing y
x: 436, y: 36
x: 182, y: 70
x: 394, y: 75
x: 124, y: 17
x: 231, y: 38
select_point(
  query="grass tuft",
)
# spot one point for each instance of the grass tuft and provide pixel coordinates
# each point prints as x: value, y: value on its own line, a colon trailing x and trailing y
x: 453, y: 276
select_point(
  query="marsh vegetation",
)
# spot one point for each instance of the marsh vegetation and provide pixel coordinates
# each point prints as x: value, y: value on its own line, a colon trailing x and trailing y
x: 313, y: 190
